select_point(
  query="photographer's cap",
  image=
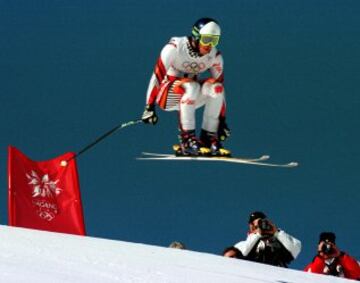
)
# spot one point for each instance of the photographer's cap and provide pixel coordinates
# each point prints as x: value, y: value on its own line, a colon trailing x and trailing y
x: 327, y: 237
x: 256, y: 215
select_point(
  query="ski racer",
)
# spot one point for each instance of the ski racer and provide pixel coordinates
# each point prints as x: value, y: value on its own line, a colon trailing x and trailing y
x: 331, y: 261
x: 267, y: 244
x: 175, y: 85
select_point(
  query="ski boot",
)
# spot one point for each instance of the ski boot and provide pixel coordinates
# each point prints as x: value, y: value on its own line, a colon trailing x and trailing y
x: 190, y: 145
x: 211, y: 141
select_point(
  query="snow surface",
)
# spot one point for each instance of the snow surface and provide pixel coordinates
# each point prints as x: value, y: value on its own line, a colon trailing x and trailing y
x: 36, y: 256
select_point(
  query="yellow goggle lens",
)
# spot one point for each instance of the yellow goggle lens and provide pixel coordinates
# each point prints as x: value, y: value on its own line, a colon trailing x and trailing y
x: 207, y: 39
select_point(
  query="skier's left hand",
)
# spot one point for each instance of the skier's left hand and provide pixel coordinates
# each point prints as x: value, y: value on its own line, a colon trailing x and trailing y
x: 223, y: 130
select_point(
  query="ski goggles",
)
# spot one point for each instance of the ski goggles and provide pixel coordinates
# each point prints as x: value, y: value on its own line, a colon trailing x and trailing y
x: 209, y: 39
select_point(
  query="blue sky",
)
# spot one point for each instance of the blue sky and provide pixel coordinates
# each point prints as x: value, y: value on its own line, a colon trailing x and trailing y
x: 71, y: 70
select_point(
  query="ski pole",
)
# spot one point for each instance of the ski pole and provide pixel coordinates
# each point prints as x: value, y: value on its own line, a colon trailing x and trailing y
x: 99, y: 139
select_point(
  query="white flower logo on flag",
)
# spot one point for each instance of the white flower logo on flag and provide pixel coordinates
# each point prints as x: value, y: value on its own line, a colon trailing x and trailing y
x: 43, y: 187
x: 44, y: 192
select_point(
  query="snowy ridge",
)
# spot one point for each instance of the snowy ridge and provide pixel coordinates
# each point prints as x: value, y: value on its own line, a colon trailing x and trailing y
x: 37, y: 256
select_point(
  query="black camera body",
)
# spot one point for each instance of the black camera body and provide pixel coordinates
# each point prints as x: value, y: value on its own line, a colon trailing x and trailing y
x: 264, y: 225
x: 327, y: 248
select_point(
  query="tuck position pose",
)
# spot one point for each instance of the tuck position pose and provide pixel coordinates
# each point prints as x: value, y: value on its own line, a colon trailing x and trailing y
x: 176, y: 85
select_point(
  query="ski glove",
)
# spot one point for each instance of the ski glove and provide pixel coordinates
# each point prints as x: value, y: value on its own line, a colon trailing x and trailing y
x: 223, y: 130
x: 149, y: 116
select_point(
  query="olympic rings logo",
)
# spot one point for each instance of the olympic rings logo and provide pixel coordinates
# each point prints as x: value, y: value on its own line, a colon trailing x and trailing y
x: 193, y: 67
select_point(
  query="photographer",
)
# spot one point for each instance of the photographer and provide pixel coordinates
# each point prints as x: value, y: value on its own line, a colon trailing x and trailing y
x: 331, y: 261
x: 267, y: 244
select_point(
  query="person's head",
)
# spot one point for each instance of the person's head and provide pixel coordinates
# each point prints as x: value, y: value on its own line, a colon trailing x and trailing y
x: 177, y: 245
x: 254, y: 219
x: 232, y: 252
x: 206, y: 34
x: 327, y: 246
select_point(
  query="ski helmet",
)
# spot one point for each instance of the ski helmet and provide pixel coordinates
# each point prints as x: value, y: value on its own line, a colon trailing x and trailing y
x: 205, y: 26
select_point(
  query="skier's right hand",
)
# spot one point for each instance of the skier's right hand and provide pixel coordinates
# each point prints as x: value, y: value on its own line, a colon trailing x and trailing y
x: 149, y: 116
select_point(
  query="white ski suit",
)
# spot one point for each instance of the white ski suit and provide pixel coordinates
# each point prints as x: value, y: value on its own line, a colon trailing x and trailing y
x: 175, y: 84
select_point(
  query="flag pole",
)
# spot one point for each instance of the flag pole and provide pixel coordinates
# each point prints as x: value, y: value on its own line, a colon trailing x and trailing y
x: 99, y: 139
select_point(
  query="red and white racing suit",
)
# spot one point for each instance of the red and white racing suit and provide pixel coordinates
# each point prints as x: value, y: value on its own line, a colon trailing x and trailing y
x: 175, y: 84
x: 349, y: 267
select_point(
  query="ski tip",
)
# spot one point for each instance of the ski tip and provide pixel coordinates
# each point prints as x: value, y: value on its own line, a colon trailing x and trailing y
x: 293, y: 164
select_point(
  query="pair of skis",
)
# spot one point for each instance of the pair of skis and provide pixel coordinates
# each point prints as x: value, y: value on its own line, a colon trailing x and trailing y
x: 260, y: 161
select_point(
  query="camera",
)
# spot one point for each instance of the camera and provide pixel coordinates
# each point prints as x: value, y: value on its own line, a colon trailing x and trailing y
x: 327, y: 248
x: 264, y: 225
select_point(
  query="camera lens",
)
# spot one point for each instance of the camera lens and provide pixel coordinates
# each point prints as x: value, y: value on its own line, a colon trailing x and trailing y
x: 264, y: 225
x: 327, y: 248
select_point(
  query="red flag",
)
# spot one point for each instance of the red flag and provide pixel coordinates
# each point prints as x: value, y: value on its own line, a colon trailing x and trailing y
x: 44, y: 195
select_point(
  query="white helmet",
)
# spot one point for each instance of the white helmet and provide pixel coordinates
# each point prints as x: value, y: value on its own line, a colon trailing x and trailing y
x: 206, y: 26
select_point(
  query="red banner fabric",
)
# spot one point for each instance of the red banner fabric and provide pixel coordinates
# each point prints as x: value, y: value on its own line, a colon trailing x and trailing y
x: 44, y: 195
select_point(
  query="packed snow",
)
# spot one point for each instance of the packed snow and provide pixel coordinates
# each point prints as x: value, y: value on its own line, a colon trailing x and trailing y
x: 36, y: 256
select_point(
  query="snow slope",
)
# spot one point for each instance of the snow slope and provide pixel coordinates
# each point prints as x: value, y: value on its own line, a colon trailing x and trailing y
x: 36, y: 256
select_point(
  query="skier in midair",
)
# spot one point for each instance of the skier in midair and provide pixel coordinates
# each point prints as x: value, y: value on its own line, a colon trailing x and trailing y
x: 175, y: 85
